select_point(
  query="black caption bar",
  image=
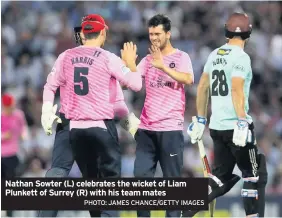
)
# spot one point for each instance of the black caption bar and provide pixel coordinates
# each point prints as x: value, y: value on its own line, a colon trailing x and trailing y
x: 101, y: 194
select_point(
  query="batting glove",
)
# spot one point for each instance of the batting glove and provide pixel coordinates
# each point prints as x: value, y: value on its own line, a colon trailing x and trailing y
x: 242, y: 134
x: 48, y: 116
x: 130, y: 124
x: 196, y: 128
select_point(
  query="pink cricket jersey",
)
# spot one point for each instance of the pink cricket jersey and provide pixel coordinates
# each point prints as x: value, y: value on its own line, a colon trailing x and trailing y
x: 14, y: 124
x: 86, y: 74
x: 116, y: 97
x: 164, y: 105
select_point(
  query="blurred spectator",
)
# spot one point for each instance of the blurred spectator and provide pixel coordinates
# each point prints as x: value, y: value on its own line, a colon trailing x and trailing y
x: 35, y: 167
x: 13, y: 128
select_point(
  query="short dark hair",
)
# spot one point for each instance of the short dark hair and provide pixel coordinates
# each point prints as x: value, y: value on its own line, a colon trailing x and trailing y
x: 90, y: 35
x: 160, y: 19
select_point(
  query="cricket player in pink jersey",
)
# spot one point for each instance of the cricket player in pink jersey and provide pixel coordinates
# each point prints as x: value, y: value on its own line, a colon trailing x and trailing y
x: 128, y: 121
x: 87, y: 72
x: 13, y: 128
x: 62, y: 156
x: 166, y: 71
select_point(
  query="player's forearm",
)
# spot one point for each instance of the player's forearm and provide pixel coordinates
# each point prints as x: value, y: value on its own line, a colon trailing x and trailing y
x: 238, y: 99
x: 24, y: 134
x: 48, y: 95
x: 184, y: 78
x: 133, y: 80
x: 202, y: 101
x: 50, y: 88
x: 132, y: 66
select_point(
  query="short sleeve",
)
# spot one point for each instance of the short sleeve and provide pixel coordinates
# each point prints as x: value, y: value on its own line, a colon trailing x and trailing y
x: 57, y: 75
x: 242, y: 66
x: 208, y: 65
x: 55, y: 79
x: 186, y: 64
x: 117, y: 68
x: 122, y: 73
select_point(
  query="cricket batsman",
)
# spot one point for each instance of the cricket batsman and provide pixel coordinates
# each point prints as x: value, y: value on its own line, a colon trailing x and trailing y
x: 227, y: 78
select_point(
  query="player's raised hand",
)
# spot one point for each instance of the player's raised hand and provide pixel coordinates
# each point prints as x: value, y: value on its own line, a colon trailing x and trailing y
x: 157, y: 56
x: 129, y: 52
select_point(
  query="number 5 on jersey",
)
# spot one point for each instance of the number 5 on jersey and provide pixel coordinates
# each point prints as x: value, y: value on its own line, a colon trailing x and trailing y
x: 81, y: 86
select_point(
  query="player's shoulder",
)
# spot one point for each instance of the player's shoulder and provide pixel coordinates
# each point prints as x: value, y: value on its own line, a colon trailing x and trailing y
x: 70, y: 50
x: 227, y: 51
x: 242, y: 54
x: 110, y: 54
x: 147, y: 57
x: 234, y: 51
x: 65, y: 53
x: 95, y: 51
x: 239, y: 55
x: 181, y: 52
x: 107, y: 55
x: 213, y: 54
x: 216, y: 51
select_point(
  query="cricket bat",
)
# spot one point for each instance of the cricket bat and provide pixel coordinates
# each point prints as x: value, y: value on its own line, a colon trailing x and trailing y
x: 207, y: 170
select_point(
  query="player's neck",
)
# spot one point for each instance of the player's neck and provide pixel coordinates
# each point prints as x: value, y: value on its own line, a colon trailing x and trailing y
x: 7, y: 112
x: 92, y: 43
x: 237, y: 42
x: 168, y: 50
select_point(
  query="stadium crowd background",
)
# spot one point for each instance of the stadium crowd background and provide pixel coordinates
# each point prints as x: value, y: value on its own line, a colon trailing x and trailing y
x: 35, y: 33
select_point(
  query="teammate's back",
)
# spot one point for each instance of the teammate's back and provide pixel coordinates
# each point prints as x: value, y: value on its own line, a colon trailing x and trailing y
x: 224, y: 63
x: 88, y: 72
x: 85, y: 72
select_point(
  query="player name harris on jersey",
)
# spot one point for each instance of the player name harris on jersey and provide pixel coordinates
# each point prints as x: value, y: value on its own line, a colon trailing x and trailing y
x: 84, y: 59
